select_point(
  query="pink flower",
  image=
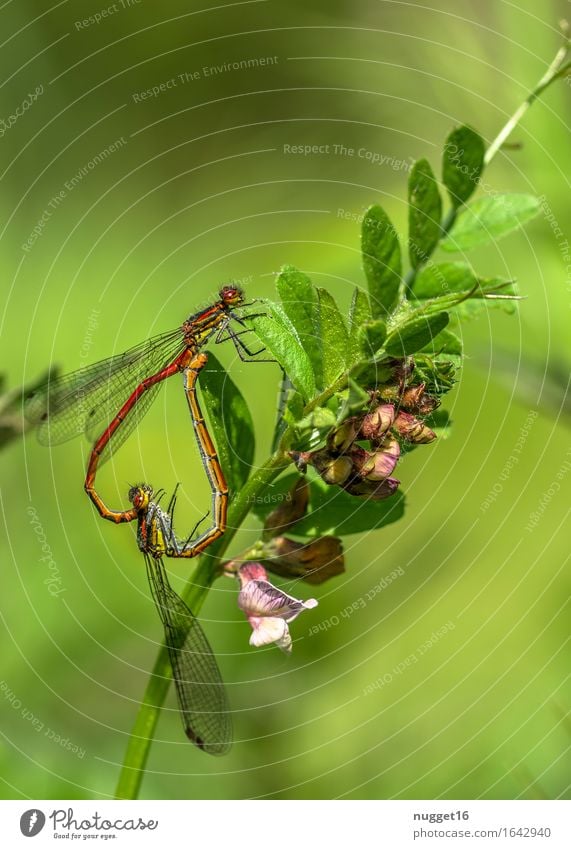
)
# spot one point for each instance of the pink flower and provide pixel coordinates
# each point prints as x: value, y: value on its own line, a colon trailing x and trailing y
x: 413, y: 430
x: 268, y: 609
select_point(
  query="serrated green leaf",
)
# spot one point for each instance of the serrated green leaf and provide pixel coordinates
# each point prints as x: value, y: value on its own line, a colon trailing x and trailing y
x: 333, y: 511
x: 381, y: 261
x: 334, y: 337
x: 462, y: 163
x: 300, y: 304
x: 445, y: 342
x: 280, y: 338
x: 415, y: 334
x: 359, y: 313
x: 489, y: 219
x: 231, y: 423
x: 435, y: 280
x: 424, y: 213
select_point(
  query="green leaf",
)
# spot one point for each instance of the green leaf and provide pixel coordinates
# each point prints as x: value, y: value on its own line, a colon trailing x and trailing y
x: 230, y: 422
x: 322, y: 418
x: 333, y: 511
x: 373, y: 335
x: 311, y: 431
x: 355, y: 400
x: 370, y: 373
x: 334, y: 337
x: 285, y: 391
x: 490, y: 218
x: 294, y: 408
x: 300, y: 304
x: 415, y: 334
x: 424, y: 213
x: 381, y: 261
x: 494, y: 291
x: 462, y: 163
x: 359, y: 314
x: 280, y: 338
x: 445, y: 342
x: 435, y: 280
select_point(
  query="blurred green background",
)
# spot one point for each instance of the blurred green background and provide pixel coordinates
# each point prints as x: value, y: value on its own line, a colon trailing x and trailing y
x: 199, y: 188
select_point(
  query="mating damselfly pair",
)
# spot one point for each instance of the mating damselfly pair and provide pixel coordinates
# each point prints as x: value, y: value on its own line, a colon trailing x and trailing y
x: 106, y: 401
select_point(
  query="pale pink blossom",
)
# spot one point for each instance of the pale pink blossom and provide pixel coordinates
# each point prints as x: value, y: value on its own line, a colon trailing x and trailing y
x: 267, y: 608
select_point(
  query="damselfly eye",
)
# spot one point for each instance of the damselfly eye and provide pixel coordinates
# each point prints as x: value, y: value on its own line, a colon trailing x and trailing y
x: 139, y: 497
x: 231, y: 295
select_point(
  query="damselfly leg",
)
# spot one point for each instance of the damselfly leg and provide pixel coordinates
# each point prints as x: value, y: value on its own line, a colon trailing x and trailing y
x: 172, y: 547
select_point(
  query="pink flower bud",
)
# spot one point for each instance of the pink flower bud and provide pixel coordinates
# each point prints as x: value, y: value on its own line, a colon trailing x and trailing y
x: 289, y: 511
x: 413, y: 430
x: 375, y: 424
x: 415, y: 399
x: 333, y: 469
x: 378, y: 465
x: 336, y: 471
x: 344, y: 436
x: 252, y: 572
x: 314, y: 561
x: 372, y: 489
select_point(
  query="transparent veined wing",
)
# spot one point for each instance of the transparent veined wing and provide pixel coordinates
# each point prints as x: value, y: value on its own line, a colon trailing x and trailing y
x: 199, y: 687
x: 86, y: 401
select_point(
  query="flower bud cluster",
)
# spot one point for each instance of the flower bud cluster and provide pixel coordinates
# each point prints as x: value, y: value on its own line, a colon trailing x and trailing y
x: 368, y: 471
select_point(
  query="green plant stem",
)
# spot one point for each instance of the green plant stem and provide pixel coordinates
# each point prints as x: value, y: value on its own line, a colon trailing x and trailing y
x: 557, y: 69
x: 194, y: 594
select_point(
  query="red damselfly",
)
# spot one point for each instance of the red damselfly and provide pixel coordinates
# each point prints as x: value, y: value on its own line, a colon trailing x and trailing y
x: 115, y: 393
x: 140, y: 500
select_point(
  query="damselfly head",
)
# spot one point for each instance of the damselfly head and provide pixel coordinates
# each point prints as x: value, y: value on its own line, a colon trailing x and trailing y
x: 231, y: 296
x: 140, y: 496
